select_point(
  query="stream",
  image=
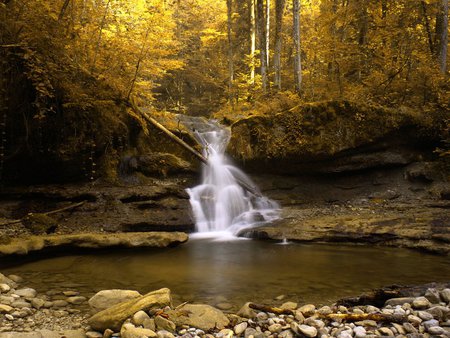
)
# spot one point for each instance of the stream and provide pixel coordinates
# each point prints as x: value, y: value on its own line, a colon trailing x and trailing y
x: 237, y: 271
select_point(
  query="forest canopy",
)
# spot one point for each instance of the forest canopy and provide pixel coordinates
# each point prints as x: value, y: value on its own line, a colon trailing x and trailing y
x: 198, y: 56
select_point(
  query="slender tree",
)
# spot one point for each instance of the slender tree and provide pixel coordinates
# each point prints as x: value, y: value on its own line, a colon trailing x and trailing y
x: 262, y: 42
x: 100, y: 32
x: 230, y: 43
x: 297, y: 50
x: 427, y: 26
x: 442, y: 35
x: 279, y: 9
x: 252, y: 41
x: 267, y: 33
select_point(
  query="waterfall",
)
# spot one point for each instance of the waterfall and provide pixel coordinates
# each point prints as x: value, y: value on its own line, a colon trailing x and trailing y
x: 226, y: 200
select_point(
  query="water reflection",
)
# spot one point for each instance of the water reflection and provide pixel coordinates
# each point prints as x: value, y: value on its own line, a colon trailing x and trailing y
x: 246, y: 270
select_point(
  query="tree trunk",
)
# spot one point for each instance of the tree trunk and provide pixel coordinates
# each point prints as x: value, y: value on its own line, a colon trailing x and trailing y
x: 297, y: 50
x: 279, y: 9
x: 267, y: 33
x: 63, y: 9
x: 142, y: 55
x: 362, y: 36
x: 384, y: 9
x: 230, y: 45
x: 427, y: 26
x: 262, y: 42
x: 100, y: 32
x: 253, y: 41
x: 442, y: 35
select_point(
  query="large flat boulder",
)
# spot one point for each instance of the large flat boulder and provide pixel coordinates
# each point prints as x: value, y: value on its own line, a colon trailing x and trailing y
x: 114, y: 316
x: 26, y: 245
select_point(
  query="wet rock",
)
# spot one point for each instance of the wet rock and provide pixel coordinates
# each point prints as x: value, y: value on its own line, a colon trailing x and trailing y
x: 433, y: 296
x: 289, y: 306
x: 308, y: 331
x: 439, y: 312
x: 60, y: 303
x: 114, y: 316
x: 325, y: 310
x: 307, y: 310
x: 226, y: 333
x: 26, y: 292
x: 299, y: 316
x: 421, y: 303
x: 20, y: 304
x: 359, y: 332
x: 70, y: 293
x: 429, y: 323
x: 246, y: 312
x: 399, y: 301
x: 5, y: 308
x: 165, y: 334
x: 436, y: 330
x: 108, y: 333
x: 286, y: 334
x: 345, y: 334
x: 275, y: 328
x: 164, y: 324
x: 94, y: 334
x: 130, y: 331
x: 385, y: 331
x: 224, y: 306
x: 445, y: 295
x: 201, y: 316
x: 149, y: 324
x: 251, y: 332
x: 107, y: 298
x: 240, y: 328
x: 7, y: 281
x: 262, y: 316
x: 4, y: 287
x: 139, y: 318
x: 425, y: 315
x: 414, y: 320
x: 76, y: 300
x: 37, y: 303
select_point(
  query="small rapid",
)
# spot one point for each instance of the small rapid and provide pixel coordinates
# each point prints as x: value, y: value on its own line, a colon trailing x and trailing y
x: 226, y: 200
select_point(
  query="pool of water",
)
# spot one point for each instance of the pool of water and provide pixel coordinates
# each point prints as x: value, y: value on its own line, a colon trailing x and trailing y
x: 204, y: 270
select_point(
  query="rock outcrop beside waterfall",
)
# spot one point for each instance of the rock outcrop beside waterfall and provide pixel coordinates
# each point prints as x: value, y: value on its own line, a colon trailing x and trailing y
x: 332, y: 137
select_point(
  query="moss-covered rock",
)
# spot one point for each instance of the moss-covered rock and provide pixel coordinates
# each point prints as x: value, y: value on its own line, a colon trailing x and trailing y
x: 333, y: 130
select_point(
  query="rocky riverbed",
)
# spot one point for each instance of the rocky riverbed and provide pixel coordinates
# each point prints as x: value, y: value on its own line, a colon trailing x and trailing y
x: 26, y: 313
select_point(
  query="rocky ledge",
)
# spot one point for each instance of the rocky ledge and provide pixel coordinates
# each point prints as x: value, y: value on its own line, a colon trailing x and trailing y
x: 27, y: 245
x: 24, y: 313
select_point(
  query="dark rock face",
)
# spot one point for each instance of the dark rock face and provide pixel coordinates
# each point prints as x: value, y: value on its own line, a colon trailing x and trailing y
x: 161, y: 206
x: 336, y: 136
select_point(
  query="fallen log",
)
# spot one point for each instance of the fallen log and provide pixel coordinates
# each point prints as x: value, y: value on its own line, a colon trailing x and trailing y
x: 354, y: 317
x: 271, y: 309
x: 166, y: 131
x: 183, y: 144
x: 69, y: 207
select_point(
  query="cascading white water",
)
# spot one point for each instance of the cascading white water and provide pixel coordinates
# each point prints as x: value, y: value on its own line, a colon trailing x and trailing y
x: 226, y: 200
